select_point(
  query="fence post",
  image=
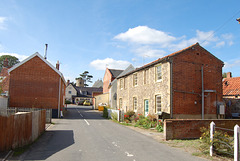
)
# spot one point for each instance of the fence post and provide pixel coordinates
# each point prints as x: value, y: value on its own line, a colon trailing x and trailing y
x: 212, y: 129
x: 236, y: 142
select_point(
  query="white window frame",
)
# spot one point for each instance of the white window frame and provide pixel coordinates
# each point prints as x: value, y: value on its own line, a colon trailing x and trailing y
x: 134, y: 104
x: 157, y: 104
x: 120, y: 103
x: 121, y: 83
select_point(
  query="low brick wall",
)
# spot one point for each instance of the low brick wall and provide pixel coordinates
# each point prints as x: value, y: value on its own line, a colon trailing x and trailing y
x: 190, y: 128
x: 21, y: 129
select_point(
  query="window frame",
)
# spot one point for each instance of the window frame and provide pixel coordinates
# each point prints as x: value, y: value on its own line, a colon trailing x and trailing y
x: 134, y: 104
x: 120, y: 103
x: 156, y: 103
x: 157, y: 74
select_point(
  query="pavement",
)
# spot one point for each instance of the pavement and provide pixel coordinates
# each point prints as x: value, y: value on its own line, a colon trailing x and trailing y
x: 83, y: 134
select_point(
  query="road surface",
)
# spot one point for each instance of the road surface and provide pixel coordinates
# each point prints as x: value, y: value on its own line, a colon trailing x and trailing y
x: 83, y: 135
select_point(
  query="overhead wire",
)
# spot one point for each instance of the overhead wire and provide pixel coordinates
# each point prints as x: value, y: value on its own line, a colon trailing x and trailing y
x: 220, y: 27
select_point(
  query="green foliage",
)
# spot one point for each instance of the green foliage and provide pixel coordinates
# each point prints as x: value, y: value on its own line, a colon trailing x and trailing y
x: 114, y: 116
x: 86, y: 77
x: 128, y: 117
x: 222, y: 142
x: 224, y: 75
x: 159, y: 128
x: 12, y: 60
x: 67, y: 102
x: 105, y: 112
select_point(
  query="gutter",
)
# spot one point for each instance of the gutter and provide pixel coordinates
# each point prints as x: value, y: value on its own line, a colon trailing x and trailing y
x: 171, y: 89
x: 202, y: 93
x: 59, y: 96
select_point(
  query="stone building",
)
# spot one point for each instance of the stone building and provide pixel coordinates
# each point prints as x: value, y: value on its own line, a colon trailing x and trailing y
x: 184, y: 84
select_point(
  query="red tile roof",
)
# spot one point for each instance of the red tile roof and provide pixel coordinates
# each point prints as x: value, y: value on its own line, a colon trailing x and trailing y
x: 231, y: 86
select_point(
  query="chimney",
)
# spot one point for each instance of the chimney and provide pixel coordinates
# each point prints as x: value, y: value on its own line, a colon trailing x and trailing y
x: 57, y: 65
x: 5, y: 63
x: 229, y: 75
x: 45, y: 55
x: 68, y: 82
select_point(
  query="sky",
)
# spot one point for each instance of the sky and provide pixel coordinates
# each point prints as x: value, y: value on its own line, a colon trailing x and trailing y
x: 90, y: 35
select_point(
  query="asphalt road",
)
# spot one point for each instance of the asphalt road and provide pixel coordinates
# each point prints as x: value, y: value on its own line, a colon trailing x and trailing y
x: 83, y: 135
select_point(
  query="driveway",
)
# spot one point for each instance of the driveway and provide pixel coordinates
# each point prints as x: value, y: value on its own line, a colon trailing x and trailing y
x: 84, y: 135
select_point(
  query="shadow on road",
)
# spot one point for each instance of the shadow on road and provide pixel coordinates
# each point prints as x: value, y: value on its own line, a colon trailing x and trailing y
x: 50, y: 143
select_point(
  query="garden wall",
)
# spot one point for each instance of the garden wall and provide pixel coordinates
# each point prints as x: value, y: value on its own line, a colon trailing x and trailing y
x: 21, y: 129
x: 190, y: 128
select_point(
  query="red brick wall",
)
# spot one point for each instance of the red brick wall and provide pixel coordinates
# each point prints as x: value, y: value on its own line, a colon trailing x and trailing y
x: 106, y: 80
x: 188, y: 129
x: 187, y: 83
x: 34, y: 85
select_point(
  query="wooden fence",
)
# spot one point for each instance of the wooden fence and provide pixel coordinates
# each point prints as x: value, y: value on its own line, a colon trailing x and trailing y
x: 21, y: 129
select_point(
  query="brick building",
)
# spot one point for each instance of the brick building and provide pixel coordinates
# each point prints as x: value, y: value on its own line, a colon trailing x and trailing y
x: 109, y: 76
x: 184, y: 84
x: 35, y: 83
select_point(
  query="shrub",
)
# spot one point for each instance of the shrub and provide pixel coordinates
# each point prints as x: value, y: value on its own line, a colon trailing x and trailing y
x: 222, y: 142
x: 67, y: 102
x: 114, y: 116
x: 105, y: 112
x: 159, y: 128
x: 129, y: 116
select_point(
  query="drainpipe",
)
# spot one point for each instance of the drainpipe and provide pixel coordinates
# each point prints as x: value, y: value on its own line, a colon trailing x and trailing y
x: 171, y: 90
x: 202, y: 94
x: 59, y: 96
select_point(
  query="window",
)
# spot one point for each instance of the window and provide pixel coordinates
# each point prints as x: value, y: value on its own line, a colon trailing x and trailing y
x: 120, y: 103
x: 158, y: 107
x: 121, y: 83
x: 134, y: 104
x: 69, y: 92
x: 146, y: 76
x: 135, y: 79
x: 158, y: 73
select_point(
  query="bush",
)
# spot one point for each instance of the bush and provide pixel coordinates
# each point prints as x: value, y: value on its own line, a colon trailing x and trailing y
x: 105, y: 112
x: 114, y: 116
x: 67, y: 102
x: 221, y: 141
x: 128, y: 117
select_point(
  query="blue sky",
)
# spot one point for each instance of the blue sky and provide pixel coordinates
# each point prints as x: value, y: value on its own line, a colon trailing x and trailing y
x: 95, y: 34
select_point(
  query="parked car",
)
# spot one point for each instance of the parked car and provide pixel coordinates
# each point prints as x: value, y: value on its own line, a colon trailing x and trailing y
x: 86, y: 103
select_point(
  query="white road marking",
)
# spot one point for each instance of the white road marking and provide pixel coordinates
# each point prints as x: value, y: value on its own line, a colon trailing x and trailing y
x: 129, y: 155
x: 86, y: 122
x: 81, y: 115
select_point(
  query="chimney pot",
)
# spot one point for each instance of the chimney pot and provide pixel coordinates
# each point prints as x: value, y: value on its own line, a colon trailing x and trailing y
x: 57, y: 65
x: 229, y: 75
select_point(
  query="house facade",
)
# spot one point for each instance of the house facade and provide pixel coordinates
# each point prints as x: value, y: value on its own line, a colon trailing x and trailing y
x: 35, y: 83
x: 4, y: 78
x: 109, y: 76
x: 184, y: 84
x: 78, y: 94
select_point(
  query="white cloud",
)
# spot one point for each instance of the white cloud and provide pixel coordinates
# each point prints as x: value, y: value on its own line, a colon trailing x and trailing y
x: 2, y: 23
x: 20, y: 57
x: 230, y: 64
x: 220, y: 44
x: 147, y: 51
x: 145, y: 35
x: 110, y: 63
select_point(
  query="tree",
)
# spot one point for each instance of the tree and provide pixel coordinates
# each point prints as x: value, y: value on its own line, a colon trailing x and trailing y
x: 224, y: 75
x: 86, y: 77
x: 12, y: 60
